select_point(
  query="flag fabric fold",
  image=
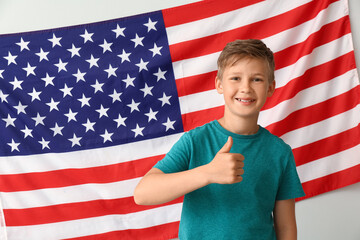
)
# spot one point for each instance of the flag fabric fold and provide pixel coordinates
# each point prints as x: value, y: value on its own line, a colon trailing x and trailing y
x: 87, y: 110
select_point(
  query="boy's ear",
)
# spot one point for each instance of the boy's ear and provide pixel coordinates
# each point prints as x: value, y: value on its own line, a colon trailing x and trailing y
x: 218, y: 85
x: 271, y: 88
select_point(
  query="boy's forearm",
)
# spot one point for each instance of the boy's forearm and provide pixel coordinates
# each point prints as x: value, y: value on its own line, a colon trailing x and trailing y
x: 157, y: 187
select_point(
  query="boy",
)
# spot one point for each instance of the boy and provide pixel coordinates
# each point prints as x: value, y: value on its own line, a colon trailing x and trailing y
x: 238, y: 179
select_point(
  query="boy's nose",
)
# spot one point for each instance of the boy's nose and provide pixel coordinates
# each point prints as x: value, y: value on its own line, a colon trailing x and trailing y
x: 245, y: 86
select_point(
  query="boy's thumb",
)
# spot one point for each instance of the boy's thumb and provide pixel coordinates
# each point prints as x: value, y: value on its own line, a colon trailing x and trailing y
x: 227, y: 146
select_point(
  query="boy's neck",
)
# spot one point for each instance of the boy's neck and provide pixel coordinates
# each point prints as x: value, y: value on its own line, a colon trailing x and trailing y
x: 240, y: 126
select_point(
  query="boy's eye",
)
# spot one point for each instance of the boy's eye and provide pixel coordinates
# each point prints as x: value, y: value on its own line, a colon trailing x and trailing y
x: 257, y: 80
x: 235, y: 78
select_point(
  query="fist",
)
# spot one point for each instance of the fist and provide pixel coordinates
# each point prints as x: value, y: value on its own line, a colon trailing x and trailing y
x: 226, y: 167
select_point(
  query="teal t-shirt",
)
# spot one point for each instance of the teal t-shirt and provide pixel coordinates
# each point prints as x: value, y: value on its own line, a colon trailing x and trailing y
x: 236, y: 211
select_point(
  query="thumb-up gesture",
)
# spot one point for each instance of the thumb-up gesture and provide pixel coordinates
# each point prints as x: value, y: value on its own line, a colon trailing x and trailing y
x: 226, y: 167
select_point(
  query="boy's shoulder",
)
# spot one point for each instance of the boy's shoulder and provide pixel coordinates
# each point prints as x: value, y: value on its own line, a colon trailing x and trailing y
x: 203, y: 130
x: 275, y: 141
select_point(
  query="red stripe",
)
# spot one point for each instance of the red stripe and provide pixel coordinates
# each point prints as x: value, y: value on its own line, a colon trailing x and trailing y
x: 70, y: 177
x: 326, y: 34
x: 317, y: 75
x: 196, y: 84
x: 199, y: 118
x: 331, y: 182
x: 160, y: 232
x: 328, y: 146
x: 190, y: 12
x: 317, y: 112
x: 269, y: 27
x: 74, y: 211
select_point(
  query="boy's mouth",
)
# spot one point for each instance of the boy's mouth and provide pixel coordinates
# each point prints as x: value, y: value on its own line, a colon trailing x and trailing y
x: 244, y: 100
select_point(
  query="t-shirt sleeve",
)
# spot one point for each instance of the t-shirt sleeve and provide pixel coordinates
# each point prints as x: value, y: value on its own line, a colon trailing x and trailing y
x: 290, y: 186
x: 177, y: 159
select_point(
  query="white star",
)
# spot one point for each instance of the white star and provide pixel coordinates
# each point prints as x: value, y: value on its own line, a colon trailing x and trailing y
x: 16, y: 83
x: 20, y: 108
x: 57, y: 129
x: 115, y: 96
x: 102, y: 111
x: 9, y: 121
x: 133, y: 106
x: 66, y: 90
x: 71, y: 115
x: 142, y: 65
x: 93, y: 61
x: 14, y: 145
x: 147, y: 90
x: 42, y: 55
x: 138, y: 130
x: 44, y: 144
x: 74, y: 51
x: 120, y: 121
x: 150, y: 25
x: 106, y: 46
x: 137, y: 40
x: 75, y: 140
x: 55, y: 40
x: 53, y: 105
x: 124, y: 56
x: 48, y: 80
x: 160, y: 74
x: 79, y: 76
x: 61, y: 65
x: 35, y: 95
x: 111, y: 71
x: 169, y: 124
x: 84, y: 101
x: 27, y: 132
x: 3, y: 96
x: 107, y: 136
x: 129, y: 81
x: 23, y: 45
x: 155, y: 50
x: 89, y: 125
x: 1, y: 76
x: 119, y: 31
x: 151, y: 115
x: 29, y: 70
x: 11, y: 58
x: 98, y: 86
x: 87, y: 36
x: 39, y: 119
x: 164, y: 99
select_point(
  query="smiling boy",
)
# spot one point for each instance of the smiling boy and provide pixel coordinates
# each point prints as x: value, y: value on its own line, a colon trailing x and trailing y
x: 239, y: 180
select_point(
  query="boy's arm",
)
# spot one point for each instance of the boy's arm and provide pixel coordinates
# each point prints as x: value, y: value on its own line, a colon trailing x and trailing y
x: 157, y: 187
x: 284, y: 220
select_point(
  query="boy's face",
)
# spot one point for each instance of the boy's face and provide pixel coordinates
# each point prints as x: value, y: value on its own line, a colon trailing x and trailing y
x: 246, y: 87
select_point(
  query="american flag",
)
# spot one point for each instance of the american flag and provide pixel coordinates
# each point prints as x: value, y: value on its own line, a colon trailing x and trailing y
x: 87, y: 110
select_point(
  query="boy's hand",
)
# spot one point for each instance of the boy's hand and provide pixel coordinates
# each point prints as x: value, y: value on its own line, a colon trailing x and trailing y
x: 226, y: 167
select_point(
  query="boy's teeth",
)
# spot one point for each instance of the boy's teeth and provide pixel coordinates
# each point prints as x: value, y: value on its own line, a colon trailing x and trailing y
x: 243, y: 100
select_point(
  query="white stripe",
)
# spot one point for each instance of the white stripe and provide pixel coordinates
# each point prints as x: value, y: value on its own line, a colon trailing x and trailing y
x: 200, y: 101
x: 230, y: 20
x: 87, y: 158
x: 97, y: 225
x: 194, y: 66
x: 323, y: 129
x: 309, y: 97
x: 330, y: 164
x: 319, y: 55
x: 301, y: 32
x: 78, y: 193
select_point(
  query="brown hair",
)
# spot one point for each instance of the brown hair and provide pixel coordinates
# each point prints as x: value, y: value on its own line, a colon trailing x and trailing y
x: 240, y: 49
